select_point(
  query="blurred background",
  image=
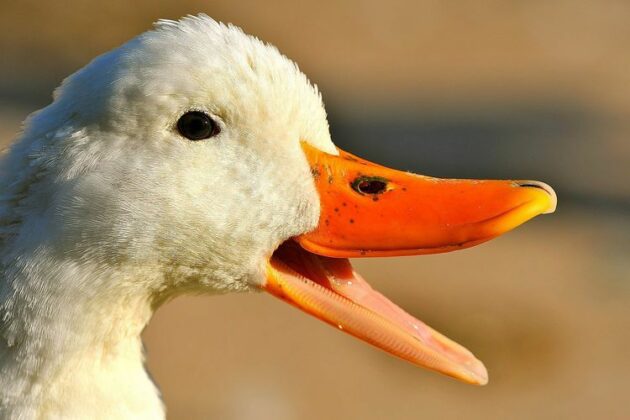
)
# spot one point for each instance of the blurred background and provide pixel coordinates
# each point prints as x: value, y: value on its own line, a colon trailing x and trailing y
x: 493, y: 89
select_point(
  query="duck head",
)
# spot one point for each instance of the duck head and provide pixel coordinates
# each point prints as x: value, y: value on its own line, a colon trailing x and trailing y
x: 203, y: 156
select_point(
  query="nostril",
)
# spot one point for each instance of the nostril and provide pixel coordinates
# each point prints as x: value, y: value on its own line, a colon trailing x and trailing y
x: 546, y: 188
x: 369, y: 185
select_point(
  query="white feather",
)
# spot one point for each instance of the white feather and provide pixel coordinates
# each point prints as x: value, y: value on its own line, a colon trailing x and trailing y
x: 106, y: 211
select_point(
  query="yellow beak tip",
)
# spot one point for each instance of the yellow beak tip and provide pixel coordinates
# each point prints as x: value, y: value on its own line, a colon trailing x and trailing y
x: 552, y: 197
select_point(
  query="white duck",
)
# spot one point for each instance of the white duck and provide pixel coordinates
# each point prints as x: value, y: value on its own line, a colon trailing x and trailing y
x: 180, y: 162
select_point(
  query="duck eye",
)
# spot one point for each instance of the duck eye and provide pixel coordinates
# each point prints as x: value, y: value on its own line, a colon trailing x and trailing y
x: 369, y: 185
x: 196, y: 125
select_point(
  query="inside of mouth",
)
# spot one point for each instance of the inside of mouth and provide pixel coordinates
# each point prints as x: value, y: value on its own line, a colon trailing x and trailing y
x: 339, y: 279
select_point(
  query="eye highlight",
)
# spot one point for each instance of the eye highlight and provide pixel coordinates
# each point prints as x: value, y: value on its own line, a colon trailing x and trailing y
x: 197, y: 125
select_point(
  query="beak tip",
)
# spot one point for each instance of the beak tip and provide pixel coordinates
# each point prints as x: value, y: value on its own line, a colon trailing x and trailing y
x: 478, y: 373
x: 553, y: 197
x: 483, y: 380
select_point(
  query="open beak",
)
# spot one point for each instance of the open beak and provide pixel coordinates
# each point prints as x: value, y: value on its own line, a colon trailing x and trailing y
x: 369, y: 210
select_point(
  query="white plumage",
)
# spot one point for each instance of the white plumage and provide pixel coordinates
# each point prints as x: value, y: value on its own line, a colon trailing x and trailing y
x: 106, y: 211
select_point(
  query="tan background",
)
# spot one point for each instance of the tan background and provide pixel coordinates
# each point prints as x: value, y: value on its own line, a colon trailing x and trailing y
x: 537, y: 89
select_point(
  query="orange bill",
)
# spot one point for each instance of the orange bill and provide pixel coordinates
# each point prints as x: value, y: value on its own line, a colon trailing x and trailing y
x: 368, y: 210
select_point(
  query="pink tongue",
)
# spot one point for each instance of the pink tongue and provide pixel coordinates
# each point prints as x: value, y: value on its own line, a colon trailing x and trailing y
x: 343, y: 280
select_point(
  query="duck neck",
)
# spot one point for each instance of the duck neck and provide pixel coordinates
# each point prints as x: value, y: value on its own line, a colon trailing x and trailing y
x: 70, y: 343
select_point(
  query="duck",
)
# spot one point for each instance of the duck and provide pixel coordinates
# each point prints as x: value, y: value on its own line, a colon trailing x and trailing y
x: 198, y: 159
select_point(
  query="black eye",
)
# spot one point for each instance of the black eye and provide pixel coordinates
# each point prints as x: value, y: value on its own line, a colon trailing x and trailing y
x: 195, y: 125
x: 369, y: 185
